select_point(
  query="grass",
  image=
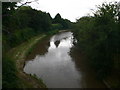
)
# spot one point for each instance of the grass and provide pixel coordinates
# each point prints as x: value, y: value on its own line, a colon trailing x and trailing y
x: 39, y: 79
x: 18, y: 54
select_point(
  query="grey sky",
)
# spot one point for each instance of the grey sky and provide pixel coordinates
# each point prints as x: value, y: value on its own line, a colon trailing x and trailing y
x: 69, y: 9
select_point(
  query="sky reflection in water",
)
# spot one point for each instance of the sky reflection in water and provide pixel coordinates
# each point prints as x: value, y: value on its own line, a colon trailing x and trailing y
x: 56, y: 67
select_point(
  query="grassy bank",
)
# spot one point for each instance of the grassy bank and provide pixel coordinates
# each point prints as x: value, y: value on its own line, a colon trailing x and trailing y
x: 18, y: 54
x: 17, y: 57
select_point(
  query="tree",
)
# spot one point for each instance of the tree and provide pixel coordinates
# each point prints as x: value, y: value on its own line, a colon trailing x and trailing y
x: 7, y: 9
x: 57, y: 18
x: 99, y: 37
x: 65, y: 23
x: 49, y: 16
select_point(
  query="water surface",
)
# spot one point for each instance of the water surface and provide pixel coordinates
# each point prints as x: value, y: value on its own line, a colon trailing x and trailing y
x: 57, y: 68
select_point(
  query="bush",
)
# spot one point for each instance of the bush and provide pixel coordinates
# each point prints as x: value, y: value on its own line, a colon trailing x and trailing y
x: 99, y: 38
x: 10, y: 79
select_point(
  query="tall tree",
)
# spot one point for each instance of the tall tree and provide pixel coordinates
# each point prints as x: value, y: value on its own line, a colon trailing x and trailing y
x: 57, y: 19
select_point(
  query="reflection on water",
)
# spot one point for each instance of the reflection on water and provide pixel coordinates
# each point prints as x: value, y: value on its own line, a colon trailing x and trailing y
x: 56, y: 67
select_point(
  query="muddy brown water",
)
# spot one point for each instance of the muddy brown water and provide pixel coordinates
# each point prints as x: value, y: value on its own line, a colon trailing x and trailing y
x: 53, y: 62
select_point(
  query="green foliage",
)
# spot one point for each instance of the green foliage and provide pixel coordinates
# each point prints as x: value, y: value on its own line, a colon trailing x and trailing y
x: 56, y: 26
x: 49, y: 16
x: 99, y: 37
x: 41, y: 22
x: 7, y: 9
x: 19, y: 25
x: 64, y: 23
x: 10, y: 79
x: 52, y: 32
x: 57, y: 18
x: 24, y: 23
x: 17, y: 37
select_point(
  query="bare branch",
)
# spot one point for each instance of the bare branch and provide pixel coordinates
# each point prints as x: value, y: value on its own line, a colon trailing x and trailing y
x: 27, y: 3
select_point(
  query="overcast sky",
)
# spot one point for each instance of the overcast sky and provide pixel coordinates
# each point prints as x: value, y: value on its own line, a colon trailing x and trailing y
x: 69, y: 9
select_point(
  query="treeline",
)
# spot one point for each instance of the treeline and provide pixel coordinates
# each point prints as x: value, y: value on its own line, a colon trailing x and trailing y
x: 19, y: 24
x: 60, y: 23
x: 99, y: 38
x: 22, y: 23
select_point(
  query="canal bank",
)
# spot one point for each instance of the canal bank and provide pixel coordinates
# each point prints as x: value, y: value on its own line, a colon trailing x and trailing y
x: 18, y: 54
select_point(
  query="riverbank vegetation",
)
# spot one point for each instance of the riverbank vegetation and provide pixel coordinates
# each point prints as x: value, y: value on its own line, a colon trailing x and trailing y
x: 99, y: 38
x: 19, y: 25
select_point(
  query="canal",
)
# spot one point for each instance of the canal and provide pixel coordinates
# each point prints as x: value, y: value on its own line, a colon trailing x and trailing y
x: 59, y: 66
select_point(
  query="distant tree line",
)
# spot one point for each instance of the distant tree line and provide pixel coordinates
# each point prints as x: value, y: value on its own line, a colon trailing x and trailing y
x: 59, y: 22
x: 99, y: 38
